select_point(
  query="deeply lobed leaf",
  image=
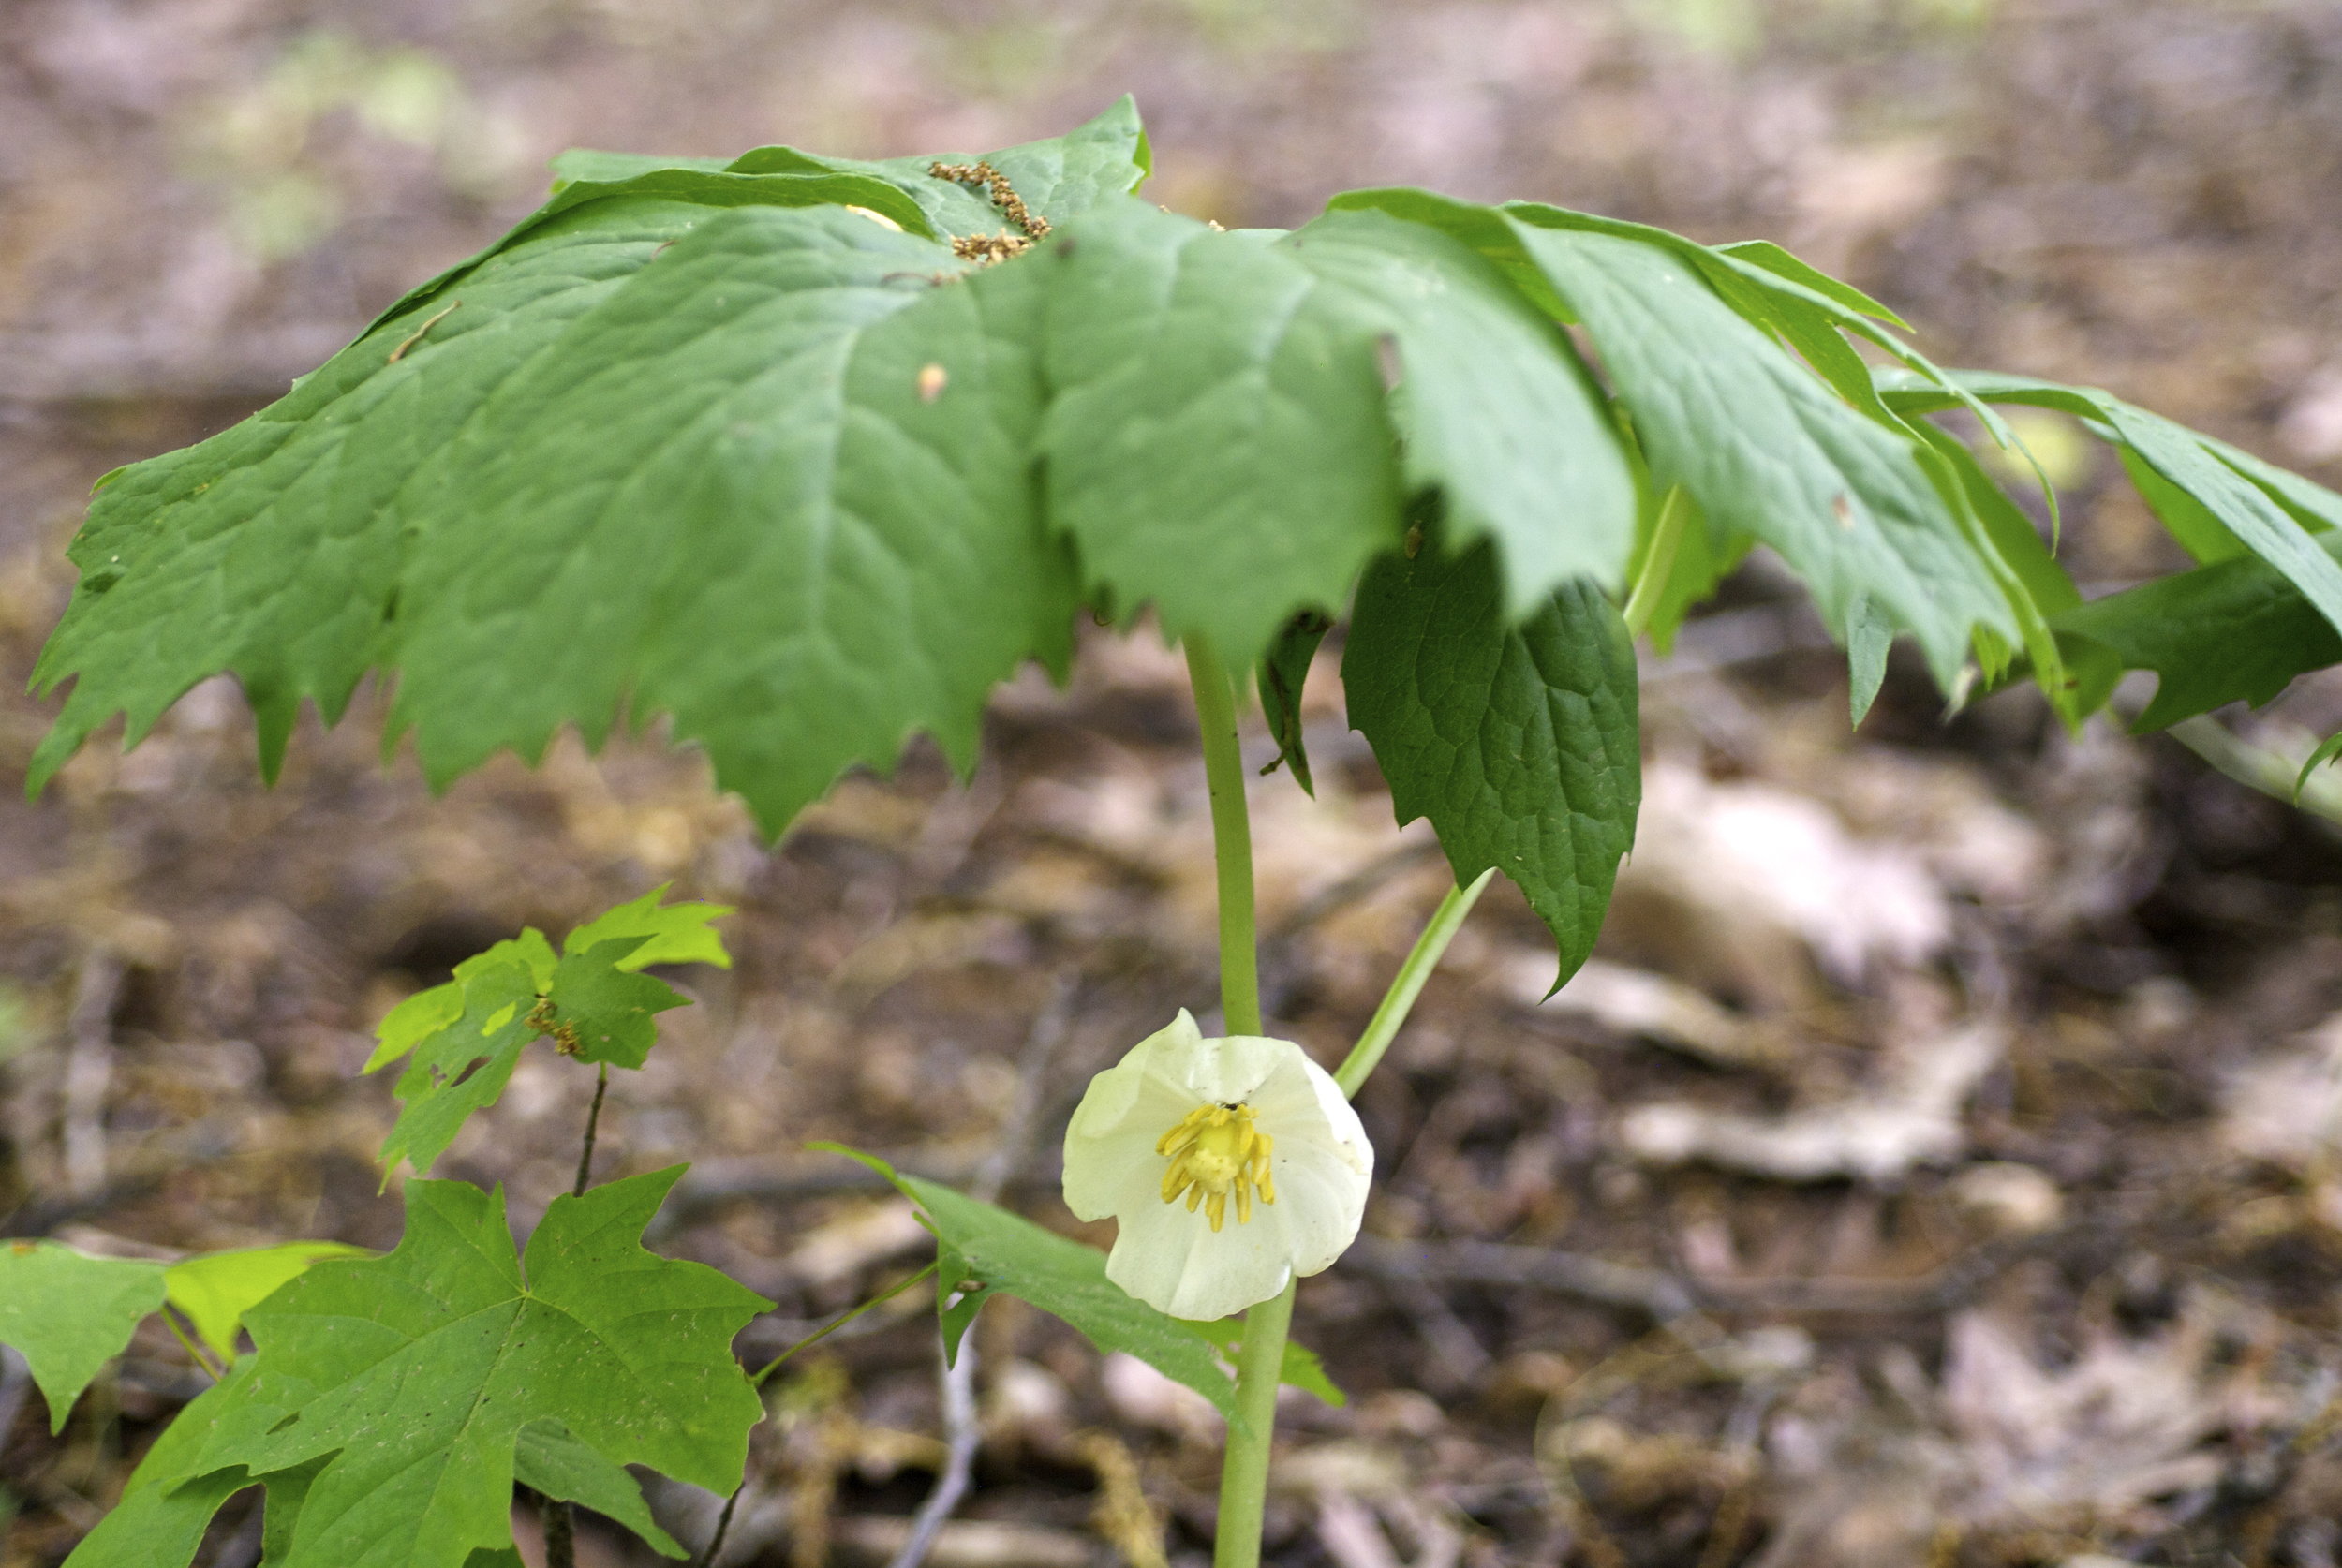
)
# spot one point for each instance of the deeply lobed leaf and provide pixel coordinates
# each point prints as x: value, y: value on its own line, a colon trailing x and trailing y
x: 746, y: 445
x: 2266, y: 608
x: 420, y: 1384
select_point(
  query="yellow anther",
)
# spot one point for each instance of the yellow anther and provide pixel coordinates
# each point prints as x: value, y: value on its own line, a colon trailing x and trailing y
x: 1215, y: 1150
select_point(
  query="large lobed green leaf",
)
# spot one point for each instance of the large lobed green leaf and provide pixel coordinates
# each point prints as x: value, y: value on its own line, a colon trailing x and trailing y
x: 2264, y: 608
x: 338, y: 530
x: 1519, y: 742
x: 169, y: 1500
x: 747, y: 446
x: 1235, y: 419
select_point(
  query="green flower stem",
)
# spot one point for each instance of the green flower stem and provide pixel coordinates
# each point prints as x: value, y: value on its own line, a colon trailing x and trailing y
x: 1231, y: 837
x: 1244, y: 1473
x: 1400, y: 1000
x: 1658, y: 563
x: 835, y: 1324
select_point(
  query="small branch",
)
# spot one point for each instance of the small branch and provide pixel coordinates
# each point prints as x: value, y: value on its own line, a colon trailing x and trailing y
x: 560, y: 1525
x: 1338, y: 896
x: 723, y: 1527
x: 560, y: 1519
x: 171, y: 1321
x: 593, y: 1126
x: 1654, y: 1292
x: 827, y: 1330
x: 1022, y: 1124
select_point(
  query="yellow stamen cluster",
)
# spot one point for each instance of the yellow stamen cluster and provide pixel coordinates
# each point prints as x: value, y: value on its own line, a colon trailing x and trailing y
x: 1215, y: 1150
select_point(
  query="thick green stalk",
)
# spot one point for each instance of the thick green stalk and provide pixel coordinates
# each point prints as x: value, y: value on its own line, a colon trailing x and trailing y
x: 1244, y: 1473
x: 1231, y: 837
x: 1400, y: 1000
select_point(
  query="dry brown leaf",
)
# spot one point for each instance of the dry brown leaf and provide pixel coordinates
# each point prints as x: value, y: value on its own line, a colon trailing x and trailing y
x: 1910, y: 1118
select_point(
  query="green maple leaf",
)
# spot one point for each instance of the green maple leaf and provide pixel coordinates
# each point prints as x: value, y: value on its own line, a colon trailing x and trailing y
x: 412, y: 1381
x: 217, y: 1289
x: 670, y: 933
x: 465, y: 1037
x: 1520, y: 743
x: 69, y: 1313
x: 602, y: 1012
x: 169, y: 1500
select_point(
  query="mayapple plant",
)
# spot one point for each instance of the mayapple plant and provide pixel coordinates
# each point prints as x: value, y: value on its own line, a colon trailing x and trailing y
x: 803, y: 454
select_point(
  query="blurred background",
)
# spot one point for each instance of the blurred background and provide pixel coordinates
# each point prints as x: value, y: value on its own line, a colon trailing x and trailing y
x: 1937, y: 1165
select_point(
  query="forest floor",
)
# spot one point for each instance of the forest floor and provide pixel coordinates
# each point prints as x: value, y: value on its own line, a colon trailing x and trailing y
x: 1938, y: 1165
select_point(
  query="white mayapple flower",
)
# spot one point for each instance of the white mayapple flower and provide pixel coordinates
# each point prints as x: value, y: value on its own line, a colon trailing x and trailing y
x: 1231, y: 1164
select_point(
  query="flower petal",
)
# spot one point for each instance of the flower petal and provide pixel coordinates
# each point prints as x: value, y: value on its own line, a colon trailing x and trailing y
x: 1228, y: 1070
x: 1111, y: 1165
x: 1321, y: 1201
x: 1173, y: 1260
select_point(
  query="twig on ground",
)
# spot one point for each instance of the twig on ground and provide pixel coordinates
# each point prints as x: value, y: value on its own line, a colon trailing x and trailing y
x: 1330, y: 900
x: 1654, y: 1292
x: 1664, y: 1296
x: 962, y: 1433
x: 1457, y: 1355
x: 989, y: 1177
